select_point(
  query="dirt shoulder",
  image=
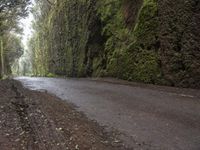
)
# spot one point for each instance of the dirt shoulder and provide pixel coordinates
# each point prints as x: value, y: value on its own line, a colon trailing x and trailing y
x: 39, y: 121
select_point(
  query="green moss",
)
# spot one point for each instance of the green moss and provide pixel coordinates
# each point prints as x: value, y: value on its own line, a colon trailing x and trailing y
x: 118, y: 38
x: 131, y: 53
x: 146, y: 69
x: 50, y: 75
x: 145, y: 31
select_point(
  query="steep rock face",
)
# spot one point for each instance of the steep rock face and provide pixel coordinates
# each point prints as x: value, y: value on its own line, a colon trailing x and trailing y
x: 131, y: 45
x: 57, y: 48
x: 157, y: 43
x: 151, y: 41
x: 77, y: 30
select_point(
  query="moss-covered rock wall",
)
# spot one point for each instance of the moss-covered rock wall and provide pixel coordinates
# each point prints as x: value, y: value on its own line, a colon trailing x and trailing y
x: 151, y: 41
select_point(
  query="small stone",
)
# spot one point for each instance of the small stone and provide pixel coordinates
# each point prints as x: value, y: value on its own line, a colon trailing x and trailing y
x: 22, y: 133
x: 105, y: 142
x: 17, y: 140
x: 77, y: 147
x: 116, y: 141
x: 59, y: 129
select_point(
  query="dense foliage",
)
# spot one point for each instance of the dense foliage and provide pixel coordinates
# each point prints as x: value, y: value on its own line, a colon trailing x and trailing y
x: 10, y: 43
x: 150, y: 41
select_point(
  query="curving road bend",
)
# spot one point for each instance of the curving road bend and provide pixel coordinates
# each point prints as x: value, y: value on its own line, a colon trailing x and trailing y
x: 148, y: 117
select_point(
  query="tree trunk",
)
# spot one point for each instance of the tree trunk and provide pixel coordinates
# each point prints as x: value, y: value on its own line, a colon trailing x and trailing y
x: 2, y: 57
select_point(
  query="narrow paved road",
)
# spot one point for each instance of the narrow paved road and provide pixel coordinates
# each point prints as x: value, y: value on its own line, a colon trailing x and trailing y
x: 151, y: 117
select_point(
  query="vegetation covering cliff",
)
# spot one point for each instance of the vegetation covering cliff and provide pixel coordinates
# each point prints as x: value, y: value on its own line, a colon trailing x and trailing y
x: 151, y: 41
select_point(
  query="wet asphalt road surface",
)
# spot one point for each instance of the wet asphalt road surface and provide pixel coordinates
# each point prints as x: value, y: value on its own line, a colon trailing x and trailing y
x: 148, y: 117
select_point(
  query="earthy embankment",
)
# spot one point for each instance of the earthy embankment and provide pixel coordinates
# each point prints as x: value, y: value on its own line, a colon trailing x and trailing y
x: 38, y: 121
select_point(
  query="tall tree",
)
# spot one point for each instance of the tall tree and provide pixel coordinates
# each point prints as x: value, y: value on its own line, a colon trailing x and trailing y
x: 10, y: 13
